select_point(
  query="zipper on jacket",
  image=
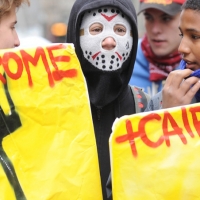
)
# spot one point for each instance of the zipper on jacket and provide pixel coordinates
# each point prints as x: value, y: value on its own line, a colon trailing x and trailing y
x: 99, y: 113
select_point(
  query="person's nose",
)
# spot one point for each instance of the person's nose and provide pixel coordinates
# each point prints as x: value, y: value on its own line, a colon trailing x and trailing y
x: 156, y: 27
x: 184, y: 47
x: 109, y: 43
x: 16, y: 40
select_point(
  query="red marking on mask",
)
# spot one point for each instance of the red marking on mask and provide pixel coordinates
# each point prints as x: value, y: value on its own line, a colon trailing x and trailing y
x: 109, y: 18
x: 120, y: 57
x: 95, y: 55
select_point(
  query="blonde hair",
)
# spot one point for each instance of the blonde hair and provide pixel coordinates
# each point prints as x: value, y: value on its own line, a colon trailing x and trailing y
x: 5, y: 5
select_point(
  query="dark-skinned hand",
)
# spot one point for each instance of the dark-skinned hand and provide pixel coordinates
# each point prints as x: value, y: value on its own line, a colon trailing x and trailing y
x: 178, y: 89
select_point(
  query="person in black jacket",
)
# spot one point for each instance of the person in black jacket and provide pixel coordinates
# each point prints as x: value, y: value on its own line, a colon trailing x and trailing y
x: 105, y: 36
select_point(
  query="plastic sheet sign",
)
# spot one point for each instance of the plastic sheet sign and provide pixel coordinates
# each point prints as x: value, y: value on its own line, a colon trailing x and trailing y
x: 155, y: 155
x: 46, y: 128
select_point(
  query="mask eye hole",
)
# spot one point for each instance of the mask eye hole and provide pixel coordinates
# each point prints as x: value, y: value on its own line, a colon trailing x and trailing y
x: 96, y: 28
x: 120, y: 29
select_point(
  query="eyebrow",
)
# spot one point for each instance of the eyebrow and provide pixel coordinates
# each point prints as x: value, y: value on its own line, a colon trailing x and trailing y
x: 146, y: 13
x: 191, y: 30
x: 162, y: 15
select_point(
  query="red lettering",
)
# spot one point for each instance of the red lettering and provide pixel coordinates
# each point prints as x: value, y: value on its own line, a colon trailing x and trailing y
x: 186, y: 122
x: 131, y: 135
x: 176, y: 129
x: 2, y: 78
x: 60, y: 74
x: 55, y: 75
x: 34, y: 60
x: 5, y: 62
x: 57, y: 58
x: 168, y: 122
x: 141, y: 130
x: 196, y: 122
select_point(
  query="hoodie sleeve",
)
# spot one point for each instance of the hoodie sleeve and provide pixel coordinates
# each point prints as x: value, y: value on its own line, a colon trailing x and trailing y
x: 155, y: 102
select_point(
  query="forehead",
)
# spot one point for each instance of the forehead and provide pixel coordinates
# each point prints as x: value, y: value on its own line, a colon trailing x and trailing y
x: 189, y: 20
x: 155, y: 12
x: 109, y: 14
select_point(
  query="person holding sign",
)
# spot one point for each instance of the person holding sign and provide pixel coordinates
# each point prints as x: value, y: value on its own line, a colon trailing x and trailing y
x: 105, y: 36
x: 8, y: 20
x: 182, y: 86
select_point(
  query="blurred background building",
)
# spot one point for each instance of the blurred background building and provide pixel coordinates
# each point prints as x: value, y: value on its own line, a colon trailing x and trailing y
x: 48, y: 19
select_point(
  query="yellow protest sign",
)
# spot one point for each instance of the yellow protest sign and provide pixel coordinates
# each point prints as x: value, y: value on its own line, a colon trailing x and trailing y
x: 155, y: 155
x: 46, y: 126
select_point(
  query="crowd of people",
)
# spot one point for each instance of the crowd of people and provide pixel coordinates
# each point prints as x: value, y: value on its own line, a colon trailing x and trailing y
x: 164, y: 62
x: 157, y: 53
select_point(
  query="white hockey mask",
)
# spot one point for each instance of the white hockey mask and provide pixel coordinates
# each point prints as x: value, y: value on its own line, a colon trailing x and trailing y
x: 102, y: 58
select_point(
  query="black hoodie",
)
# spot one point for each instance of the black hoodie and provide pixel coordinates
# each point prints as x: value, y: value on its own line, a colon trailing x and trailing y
x: 110, y: 95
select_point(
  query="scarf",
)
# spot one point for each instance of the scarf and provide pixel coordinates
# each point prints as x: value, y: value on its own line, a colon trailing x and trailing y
x: 159, y: 67
x: 194, y: 73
